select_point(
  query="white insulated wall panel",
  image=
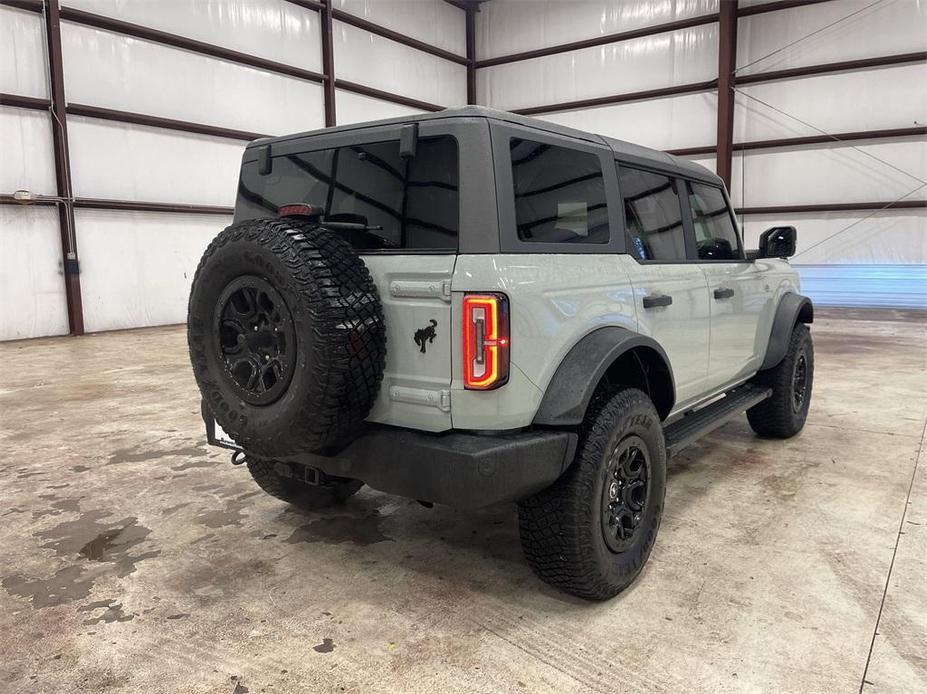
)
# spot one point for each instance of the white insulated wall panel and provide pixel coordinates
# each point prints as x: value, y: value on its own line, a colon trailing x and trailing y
x: 888, y: 237
x: 383, y: 64
x: 23, y: 58
x: 272, y: 29
x: 688, y: 120
x: 136, y: 267
x: 32, y: 298
x: 829, y: 173
x: 512, y: 26
x: 651, y: 62
x: 435, y: 22
x: 845, y: 30
x: 128, y: 74
x: 121, y: 161
x: 356, y: 108
x: 27, y: 160
x: 841, y: 102
x: 709, y: 161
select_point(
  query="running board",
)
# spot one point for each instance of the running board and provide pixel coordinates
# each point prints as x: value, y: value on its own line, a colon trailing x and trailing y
x: 694, y: 426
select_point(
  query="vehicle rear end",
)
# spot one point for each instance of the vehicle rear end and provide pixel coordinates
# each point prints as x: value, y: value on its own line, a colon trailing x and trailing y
x: 368, y: 222
x: 400, y: 185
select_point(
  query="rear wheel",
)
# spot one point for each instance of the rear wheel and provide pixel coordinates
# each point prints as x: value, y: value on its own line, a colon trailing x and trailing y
x: 783, y: 414
x: 279, y: 480
x: 591, y: 532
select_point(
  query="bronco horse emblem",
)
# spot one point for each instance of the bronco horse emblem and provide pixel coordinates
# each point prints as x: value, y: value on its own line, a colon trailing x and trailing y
x: 426, y: 335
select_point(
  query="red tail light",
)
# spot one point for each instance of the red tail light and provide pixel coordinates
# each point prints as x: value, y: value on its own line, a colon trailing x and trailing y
x: 485, y: 341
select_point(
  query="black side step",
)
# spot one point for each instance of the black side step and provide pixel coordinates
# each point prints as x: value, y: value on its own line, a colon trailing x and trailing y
x: 694, y: 426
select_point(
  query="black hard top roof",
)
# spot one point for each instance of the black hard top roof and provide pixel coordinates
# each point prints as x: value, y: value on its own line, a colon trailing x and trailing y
x: 621, y: 148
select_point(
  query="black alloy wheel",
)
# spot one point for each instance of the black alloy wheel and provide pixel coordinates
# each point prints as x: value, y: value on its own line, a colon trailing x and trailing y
x: 799, y: 382
x: 255, y: 339
x: 625, y: 492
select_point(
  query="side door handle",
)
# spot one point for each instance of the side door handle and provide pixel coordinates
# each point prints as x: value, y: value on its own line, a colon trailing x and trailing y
x: 724, y: 293
x: 655, y: 300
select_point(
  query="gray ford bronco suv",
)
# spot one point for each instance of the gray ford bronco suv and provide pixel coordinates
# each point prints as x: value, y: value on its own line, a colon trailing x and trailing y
x: 472, y: 307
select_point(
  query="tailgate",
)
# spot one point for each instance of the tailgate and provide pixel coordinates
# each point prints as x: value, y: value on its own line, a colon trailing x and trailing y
x: 415, y: 291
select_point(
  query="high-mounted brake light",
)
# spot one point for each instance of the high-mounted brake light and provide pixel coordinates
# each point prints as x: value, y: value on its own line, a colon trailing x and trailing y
x: 297, y: 210
x: 485, y: 341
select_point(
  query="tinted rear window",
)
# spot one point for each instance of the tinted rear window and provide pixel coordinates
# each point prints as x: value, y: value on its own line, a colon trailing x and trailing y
x: 413, y: 200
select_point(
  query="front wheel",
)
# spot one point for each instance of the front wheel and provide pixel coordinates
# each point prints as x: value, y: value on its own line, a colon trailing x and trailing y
x: 591, y: 532
x: 783, y: 414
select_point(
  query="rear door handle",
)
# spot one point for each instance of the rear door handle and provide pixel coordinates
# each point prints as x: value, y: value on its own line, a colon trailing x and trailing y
x: 657, y: 300
x: 724, y: 293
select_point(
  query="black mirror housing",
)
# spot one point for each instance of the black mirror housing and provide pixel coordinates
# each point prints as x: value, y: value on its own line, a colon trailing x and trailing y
x: 778, y: 242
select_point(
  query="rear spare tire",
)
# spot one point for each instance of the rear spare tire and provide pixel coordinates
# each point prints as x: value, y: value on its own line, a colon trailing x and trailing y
x: 286, y: 336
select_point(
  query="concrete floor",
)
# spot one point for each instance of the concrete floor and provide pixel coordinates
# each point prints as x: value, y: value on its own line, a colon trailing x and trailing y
x: 135, y: 560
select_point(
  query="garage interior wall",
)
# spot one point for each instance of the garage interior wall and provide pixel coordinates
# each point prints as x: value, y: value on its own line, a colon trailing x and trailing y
x: 158, y: 100
x: 161, y: 98
x: 829, y: 119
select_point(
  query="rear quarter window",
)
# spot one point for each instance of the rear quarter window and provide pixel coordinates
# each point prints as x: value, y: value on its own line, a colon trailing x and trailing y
x: 413, y: 201
x: 559, y: 194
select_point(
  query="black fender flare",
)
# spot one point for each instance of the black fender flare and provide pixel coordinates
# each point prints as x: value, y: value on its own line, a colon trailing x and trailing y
x: 575, y: 380
x: 792, y: 309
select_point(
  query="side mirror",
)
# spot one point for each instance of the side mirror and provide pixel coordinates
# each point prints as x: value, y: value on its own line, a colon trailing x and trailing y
x: 777, y: 242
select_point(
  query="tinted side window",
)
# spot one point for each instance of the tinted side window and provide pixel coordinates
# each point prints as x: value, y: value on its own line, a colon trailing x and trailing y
x: 715, y: 234
x: 414, y: 200
x: 652, y: 214
x: 559, y: 194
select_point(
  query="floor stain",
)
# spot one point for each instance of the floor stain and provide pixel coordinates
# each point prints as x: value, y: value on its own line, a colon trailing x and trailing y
x: 27, y: 475
x: 92, y: 540
x: 230, y: 515
x: 112, y: 613
x: 179, y: 615
x: 192, y: 464
x: 67, y: 585
x: 327, y: 646
x: 360, y: 531
x: 57, y: 508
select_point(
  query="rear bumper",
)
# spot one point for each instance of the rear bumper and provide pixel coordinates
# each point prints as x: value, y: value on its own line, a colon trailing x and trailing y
x: 460, y: 469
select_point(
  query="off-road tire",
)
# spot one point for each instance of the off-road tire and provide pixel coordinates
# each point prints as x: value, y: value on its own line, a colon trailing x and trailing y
x: 778, y: 416
x: 561, y: 528
x: 337, y: 320
x: 293, y: 491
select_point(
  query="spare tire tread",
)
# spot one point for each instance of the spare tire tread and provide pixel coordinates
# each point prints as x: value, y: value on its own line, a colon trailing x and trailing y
x: 329, y: 289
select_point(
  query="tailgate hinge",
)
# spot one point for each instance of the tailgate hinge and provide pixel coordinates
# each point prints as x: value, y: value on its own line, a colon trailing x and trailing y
x: 445, y: 404
x: 440, y: 399
x: 422, y: 289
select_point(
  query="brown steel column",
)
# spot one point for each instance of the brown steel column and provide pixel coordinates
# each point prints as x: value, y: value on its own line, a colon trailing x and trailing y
x: 63, y: 169
x: 328, y: 64
x: 727, y: 63
x: 471, y: 54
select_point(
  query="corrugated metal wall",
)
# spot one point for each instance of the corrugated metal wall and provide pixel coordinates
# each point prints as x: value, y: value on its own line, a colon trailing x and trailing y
x: 853, y: 257
x: 136, y: 263
x: 645, y: 72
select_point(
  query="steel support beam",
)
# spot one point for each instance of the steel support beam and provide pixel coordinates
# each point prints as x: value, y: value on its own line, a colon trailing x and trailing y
x: 59, y: 125
x: 727, y: 63
x: 835, y: 207
x: 471, y: 54
x: 328, y: 63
